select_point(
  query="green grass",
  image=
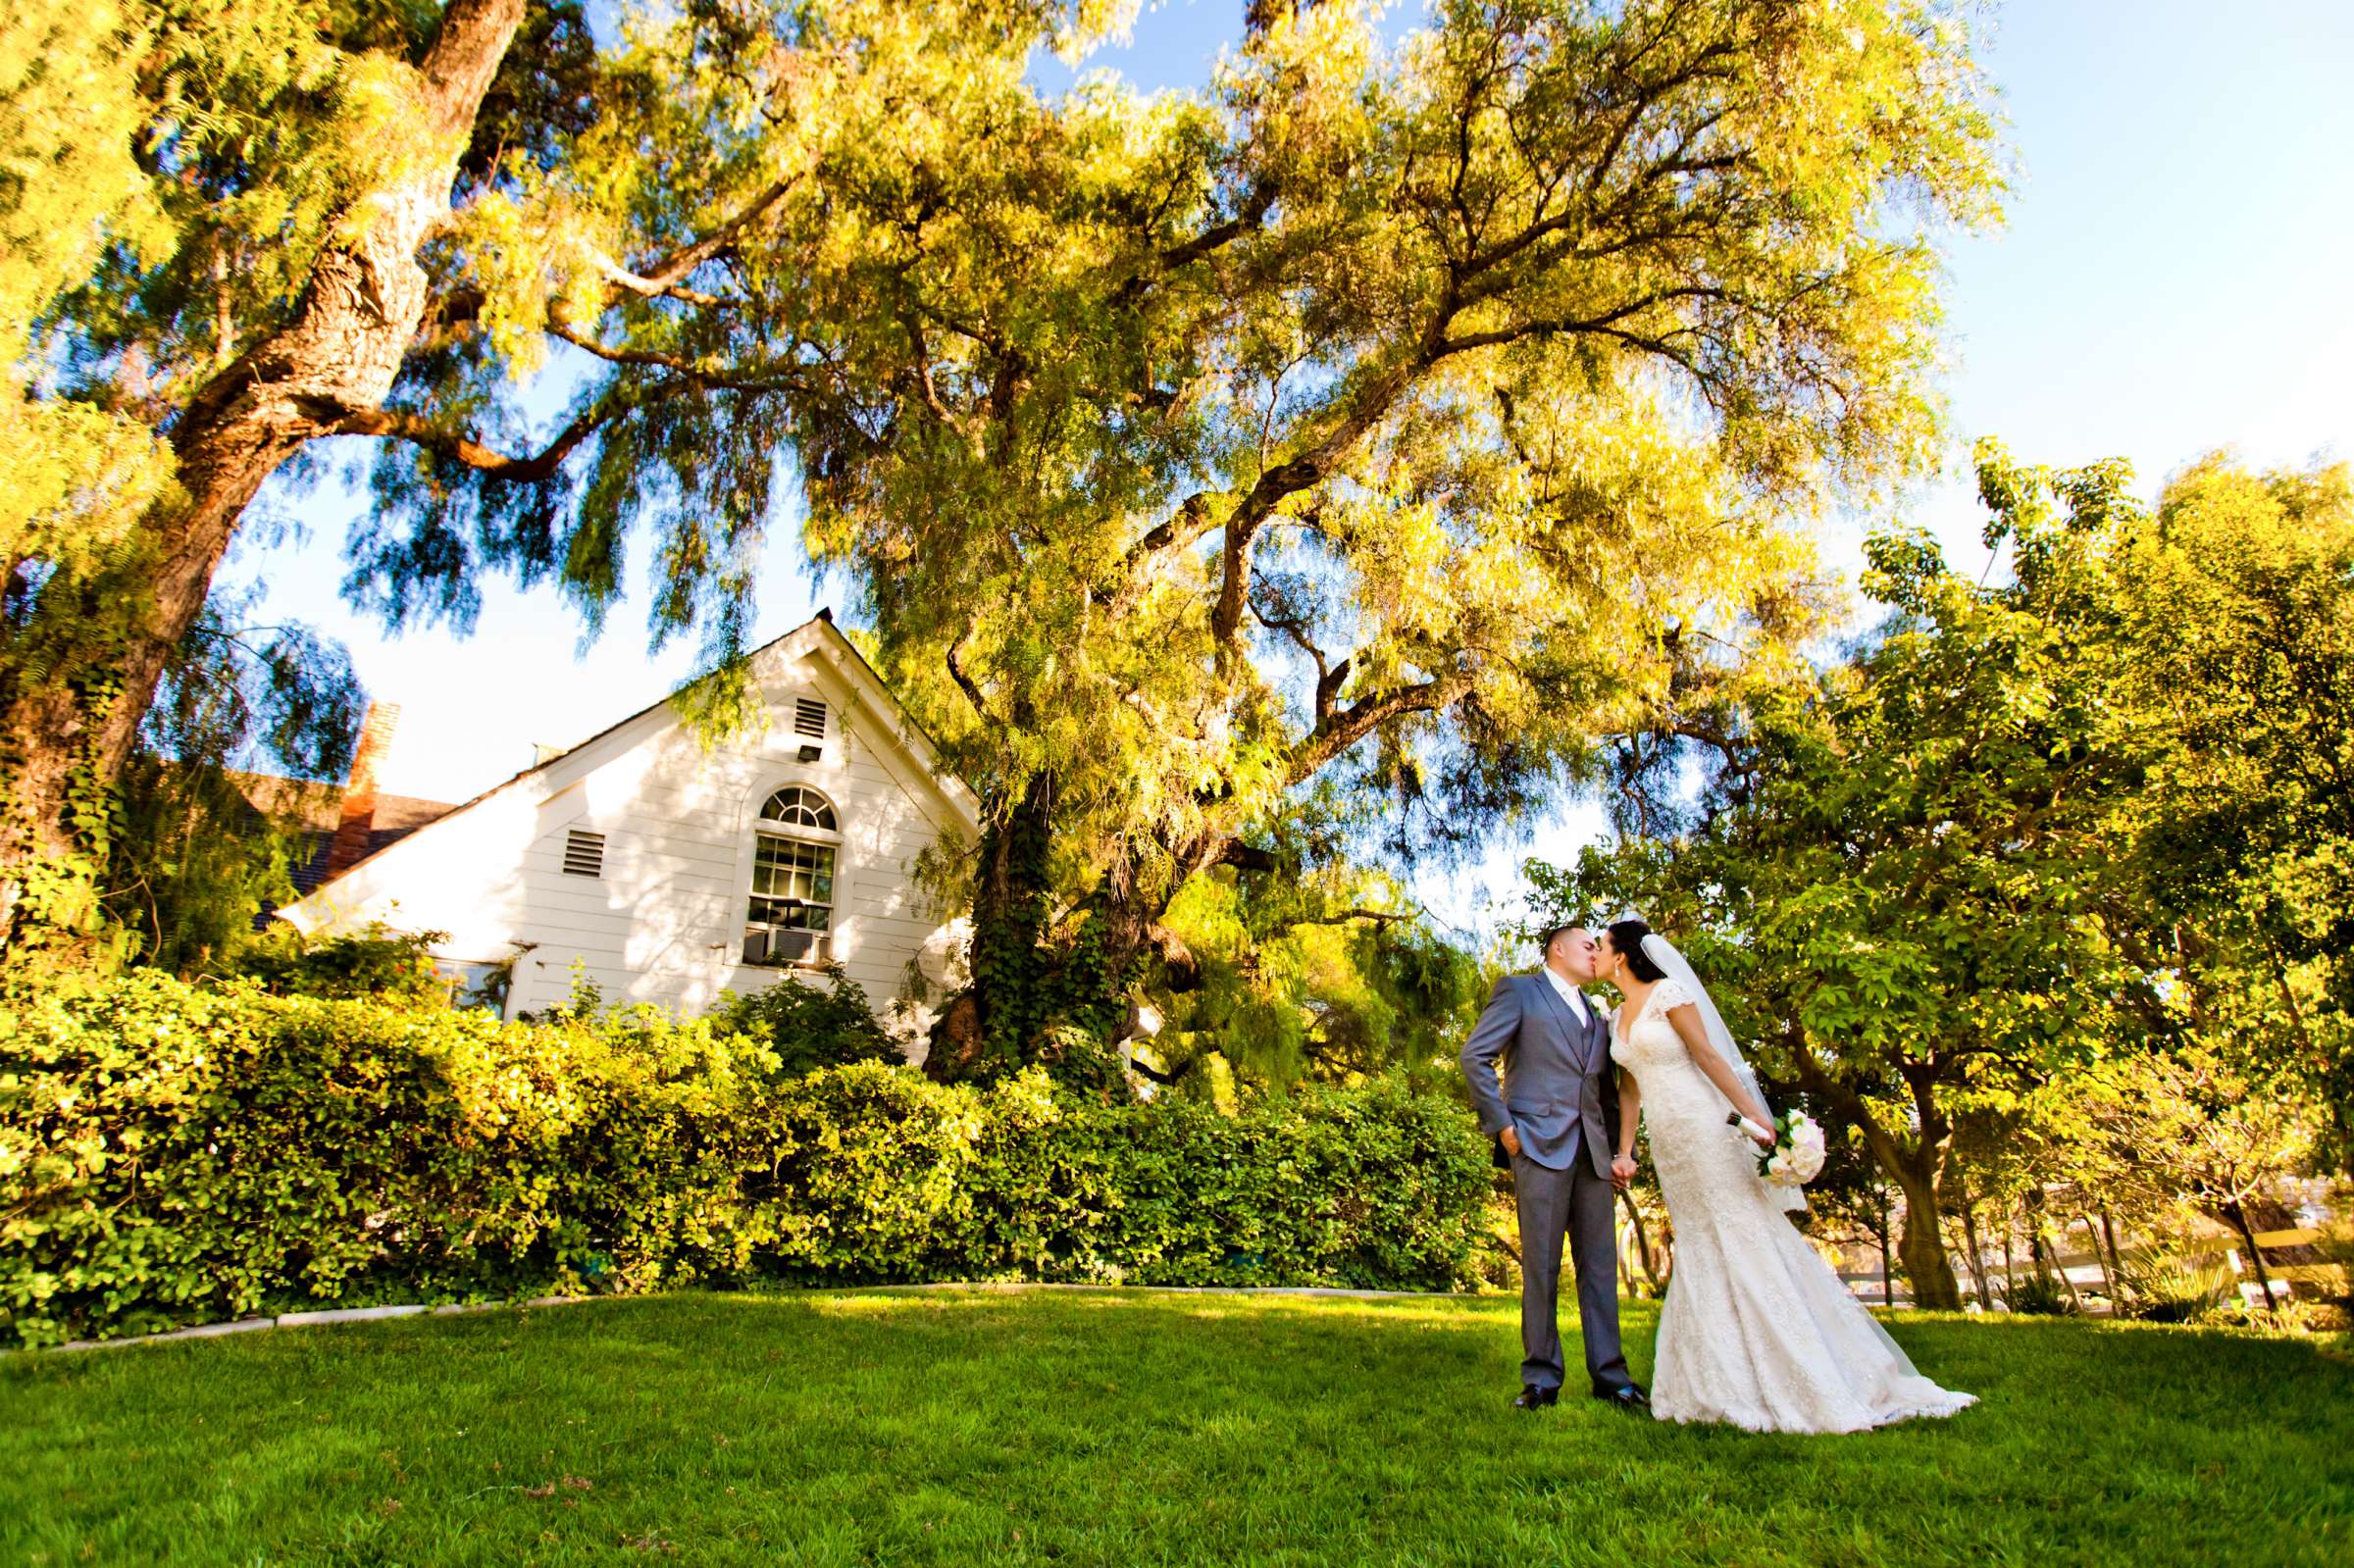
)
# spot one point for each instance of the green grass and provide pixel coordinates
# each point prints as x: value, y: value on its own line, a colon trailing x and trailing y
x: 1116, y: 1428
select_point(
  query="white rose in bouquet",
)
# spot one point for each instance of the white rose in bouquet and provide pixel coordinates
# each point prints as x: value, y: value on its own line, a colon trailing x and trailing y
x: 1795, y: 1156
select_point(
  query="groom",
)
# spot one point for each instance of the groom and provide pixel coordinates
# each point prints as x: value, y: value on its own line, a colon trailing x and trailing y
x: 1556, y: 1119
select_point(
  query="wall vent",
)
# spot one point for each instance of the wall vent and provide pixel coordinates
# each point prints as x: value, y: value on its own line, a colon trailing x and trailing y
x: 809, y: 718
x: 584, y: 854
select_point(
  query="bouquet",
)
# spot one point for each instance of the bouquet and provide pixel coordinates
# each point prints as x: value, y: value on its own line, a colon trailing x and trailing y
x: 1795, y: 1155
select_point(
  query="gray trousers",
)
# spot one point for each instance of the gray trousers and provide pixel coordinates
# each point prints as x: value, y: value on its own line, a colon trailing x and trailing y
x: 1576, y: 1203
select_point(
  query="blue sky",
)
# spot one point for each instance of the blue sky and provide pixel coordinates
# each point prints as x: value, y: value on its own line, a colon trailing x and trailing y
x: 2174, y: 277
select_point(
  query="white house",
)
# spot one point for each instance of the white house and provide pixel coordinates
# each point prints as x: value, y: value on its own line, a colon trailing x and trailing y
x: 673, y: 873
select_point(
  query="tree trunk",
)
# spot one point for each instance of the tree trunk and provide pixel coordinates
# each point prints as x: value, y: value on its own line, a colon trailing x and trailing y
x: 1011, y: 904
x: 2100, y: 1260
x: 2010, y: 1260
x: 2264, y: 1281
x: 1641, y: 1243
x: 70, y: 736
x: 1915, y: 1171
x: 1922, y: 1247
x: 1977, y: 1256
x: 1887, y: 1275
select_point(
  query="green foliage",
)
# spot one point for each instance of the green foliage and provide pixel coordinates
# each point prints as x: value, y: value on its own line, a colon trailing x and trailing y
x: 805, y: 1025
x: 1313, y: 974
x: 2039, y: 1295
x: 2169, y: 1287
x: 377, y: 963
x: 172, y: 1154
x: 197, y: 847
x: 2224, y: 625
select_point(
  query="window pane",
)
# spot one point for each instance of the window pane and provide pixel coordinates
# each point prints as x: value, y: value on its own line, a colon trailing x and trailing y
x: 797, y: 807
x: 790, y: 910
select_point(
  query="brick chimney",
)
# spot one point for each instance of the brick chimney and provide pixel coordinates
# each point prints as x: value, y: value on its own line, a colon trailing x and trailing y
x: 358, y: 819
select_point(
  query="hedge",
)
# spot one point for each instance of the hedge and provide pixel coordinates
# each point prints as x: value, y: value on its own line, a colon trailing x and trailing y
x: 174, y: 1154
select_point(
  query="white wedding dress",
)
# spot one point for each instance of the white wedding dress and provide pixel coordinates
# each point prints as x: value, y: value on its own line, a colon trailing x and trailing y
x: 1757, y: 1329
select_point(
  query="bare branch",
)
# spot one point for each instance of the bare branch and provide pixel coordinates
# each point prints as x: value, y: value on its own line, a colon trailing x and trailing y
x: 663, y: 275
x: 403, y: 426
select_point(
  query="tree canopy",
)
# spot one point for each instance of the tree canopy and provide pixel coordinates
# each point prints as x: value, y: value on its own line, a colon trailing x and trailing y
x: 1375, y: 424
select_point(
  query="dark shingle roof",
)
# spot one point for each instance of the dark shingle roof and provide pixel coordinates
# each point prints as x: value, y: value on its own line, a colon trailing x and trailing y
x: 315, y: 808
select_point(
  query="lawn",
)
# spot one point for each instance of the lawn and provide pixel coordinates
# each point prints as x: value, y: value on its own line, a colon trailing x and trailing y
x: 1131, y: 1427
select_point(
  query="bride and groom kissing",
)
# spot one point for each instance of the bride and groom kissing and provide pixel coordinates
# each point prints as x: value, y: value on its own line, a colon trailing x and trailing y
x: 1757, y: 1331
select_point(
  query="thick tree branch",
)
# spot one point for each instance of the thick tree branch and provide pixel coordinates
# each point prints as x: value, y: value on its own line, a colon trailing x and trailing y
x: 395, y: 425
x: 1329, y: 677
x: 457, y: 69
x: 1346, y: 726
x: 1567, y: 326
x: 953, y: 658
x: 1379, y: 916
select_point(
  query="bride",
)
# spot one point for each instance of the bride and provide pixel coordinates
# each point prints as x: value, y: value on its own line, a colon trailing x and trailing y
x: 1757, y: 1329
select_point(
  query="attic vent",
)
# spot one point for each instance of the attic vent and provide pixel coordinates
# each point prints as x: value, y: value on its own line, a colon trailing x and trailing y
x: 584, y: 854
x: 809, y: 718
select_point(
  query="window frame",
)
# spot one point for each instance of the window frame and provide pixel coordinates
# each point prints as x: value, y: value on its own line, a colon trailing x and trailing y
x: 827, y: 843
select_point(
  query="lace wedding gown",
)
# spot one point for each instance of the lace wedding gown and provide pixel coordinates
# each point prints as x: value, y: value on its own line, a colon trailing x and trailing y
x: 1757, y: 1329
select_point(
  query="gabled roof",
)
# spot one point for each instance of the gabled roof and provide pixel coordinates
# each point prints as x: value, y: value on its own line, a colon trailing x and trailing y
x: 819, y: 635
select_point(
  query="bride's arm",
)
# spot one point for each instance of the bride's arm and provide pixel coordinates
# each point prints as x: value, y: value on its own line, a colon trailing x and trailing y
x: 1630, y: 1118
x: 1719, y: 1072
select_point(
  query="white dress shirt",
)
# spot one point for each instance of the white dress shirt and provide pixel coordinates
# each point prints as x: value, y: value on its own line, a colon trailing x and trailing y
x: 1569, y: 994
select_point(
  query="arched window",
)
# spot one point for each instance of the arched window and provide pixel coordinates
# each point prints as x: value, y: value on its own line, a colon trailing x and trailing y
x: 790, y: 921
x: 795, y: 807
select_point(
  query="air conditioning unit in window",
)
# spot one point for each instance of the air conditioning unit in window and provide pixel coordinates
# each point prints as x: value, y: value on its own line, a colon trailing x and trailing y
x: 777, y: 949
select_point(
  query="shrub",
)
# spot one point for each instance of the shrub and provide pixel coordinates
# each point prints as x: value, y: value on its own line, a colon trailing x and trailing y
x: 2170, y: 1288
x: 174, y: 1154
x: 2038, y: 1296
x: 809, y: 1028
x: 377, y: 962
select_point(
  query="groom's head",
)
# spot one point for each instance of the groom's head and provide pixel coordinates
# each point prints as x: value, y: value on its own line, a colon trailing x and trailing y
x: 1569, y: 952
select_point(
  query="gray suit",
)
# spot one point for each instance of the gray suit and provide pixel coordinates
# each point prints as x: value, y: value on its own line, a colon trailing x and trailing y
x: 1562, y: 1094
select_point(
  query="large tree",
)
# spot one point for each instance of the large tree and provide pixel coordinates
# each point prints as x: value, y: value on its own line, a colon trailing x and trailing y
x: 2221, y: 627
x: 1369, y: 424
x: 262, y: 179
x: 1359, y: 428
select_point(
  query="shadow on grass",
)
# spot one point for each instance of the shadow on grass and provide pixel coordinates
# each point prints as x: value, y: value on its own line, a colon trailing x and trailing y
x: 923, y: 1426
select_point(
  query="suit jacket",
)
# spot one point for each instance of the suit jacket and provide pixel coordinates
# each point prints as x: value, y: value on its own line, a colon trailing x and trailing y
x: 1558, y: 1076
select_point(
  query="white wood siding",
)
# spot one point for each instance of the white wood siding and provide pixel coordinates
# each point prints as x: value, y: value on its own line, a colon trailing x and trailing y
x: 664, y: 922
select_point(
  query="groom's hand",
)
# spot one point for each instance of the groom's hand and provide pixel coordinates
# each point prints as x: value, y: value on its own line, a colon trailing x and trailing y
x: 1622, y: 1172
x: 1509, y: 1138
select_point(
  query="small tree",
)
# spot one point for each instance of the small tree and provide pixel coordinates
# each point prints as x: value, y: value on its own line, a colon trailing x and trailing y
x: 2196, y: 1127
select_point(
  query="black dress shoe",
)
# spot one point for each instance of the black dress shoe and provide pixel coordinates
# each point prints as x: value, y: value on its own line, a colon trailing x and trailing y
x: 1533, y: 1398
x: 1629, y: 1397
